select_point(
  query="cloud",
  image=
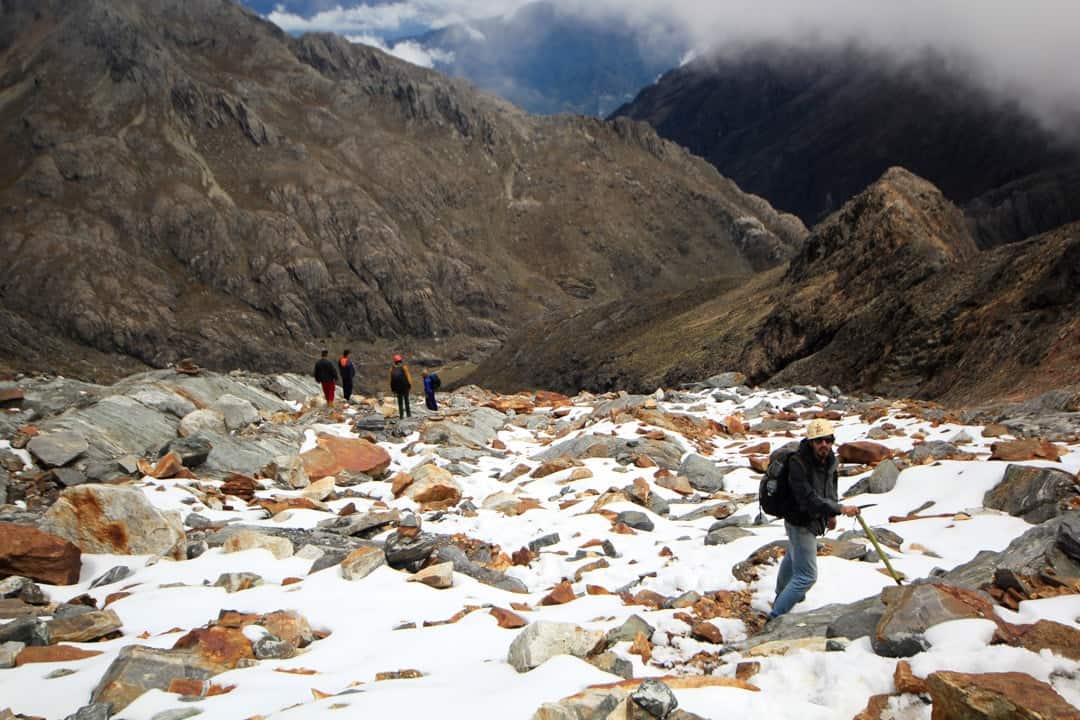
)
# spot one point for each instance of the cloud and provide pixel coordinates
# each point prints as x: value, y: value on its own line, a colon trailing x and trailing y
x: 1025, y: 51
x: 389, y: 17
x: 407, y: 50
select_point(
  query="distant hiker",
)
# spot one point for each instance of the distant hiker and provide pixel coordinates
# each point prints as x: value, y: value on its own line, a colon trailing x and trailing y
x: 347, y: 371
x: 812, y: 482
x: 430, y: 386
x: 325, y: 375
x: 400, y: 385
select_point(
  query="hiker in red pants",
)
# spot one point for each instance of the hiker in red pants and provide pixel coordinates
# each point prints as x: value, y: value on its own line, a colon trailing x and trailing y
x: 326, y: 375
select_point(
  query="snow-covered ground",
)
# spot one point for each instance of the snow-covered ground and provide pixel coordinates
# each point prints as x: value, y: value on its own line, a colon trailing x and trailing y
x: 464, y: 663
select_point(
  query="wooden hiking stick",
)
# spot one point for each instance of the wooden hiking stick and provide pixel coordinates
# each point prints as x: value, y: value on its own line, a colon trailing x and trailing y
x: 880, y: 552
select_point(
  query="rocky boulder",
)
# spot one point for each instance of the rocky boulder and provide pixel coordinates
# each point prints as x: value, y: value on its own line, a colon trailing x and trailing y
x: 911, y: 610
x: 995, y: 696
x: 56, y: 449
x: 702, y: 473
x: 863, y: 452
x: 433, y: 487
x: 138, y: 669
x: 334, y: 455
x: 543, y: 640
x: 38, y: 555
x: 1033, y: 493
x: 116, y: 520
x: 237, y: 412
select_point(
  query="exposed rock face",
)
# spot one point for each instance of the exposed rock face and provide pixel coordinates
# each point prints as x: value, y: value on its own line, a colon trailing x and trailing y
x: 888, y: 295
x: 107, y: 519
x: 1032, y: 493
x: 809, y: 129
x: 317, y: 188
x: 38, y: 555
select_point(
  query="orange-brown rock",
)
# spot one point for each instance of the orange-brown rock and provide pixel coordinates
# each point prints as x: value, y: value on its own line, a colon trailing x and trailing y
x: 522, y: 404
x: 240, y: 486
x: 596, y: 590
x: 705, y: 630
x: 641, y: 646
x: 875, y: 706
x: 677, y: 483
x: 220, y: 647
x: 293, y: 503
x: 554, y: 466
x: 507, y: 618
x: 559, y: 595
x: 759, y: 463
x: 113, y: 597
x: 995, y: 696
x: 547, y: 398
x: 288, y: 625
x: 644, y: 461
x: 524, y: 556
x: 995, y: 430
x: 1060, y: 639
x: 735, y: 425
x: 38, y: 555
x: 169, y: 466
x: 905, y: 680
x: 400, y: 481
x: 188, y: 687
x: 498, y: 444
x: 1032, y: 449
x: 52, y: 653
x: 406, y: 674
x: 747, y: 669
x: 336, y: 455
x: 762, y: 448
x: 863, y: 452
x: 648, y: 598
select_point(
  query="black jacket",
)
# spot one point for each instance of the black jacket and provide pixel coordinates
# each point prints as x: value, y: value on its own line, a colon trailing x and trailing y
x: 324, y: 371
x: 813, y: 488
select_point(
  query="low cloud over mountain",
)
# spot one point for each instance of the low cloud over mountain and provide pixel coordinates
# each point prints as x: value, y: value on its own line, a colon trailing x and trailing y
x: 1020, y: 50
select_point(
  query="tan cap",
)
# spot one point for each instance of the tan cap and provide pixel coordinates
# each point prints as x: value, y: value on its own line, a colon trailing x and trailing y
x: 818, y: 428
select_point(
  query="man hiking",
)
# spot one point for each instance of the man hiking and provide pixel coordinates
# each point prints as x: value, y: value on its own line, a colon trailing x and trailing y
x: 400, y: 385
x: 347, y: 371
x: 812, y: 482
x: 326, y: 376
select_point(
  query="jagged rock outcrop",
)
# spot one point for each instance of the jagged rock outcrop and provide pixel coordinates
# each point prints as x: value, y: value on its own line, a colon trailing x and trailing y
x: 888, y: 295
x: 201, y: 184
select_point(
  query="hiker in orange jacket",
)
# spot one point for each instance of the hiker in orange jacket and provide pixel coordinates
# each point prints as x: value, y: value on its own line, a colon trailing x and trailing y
x: 347, y: 371
x: 400, y: 385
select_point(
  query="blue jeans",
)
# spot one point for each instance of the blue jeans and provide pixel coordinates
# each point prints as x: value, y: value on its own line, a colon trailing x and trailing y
x: 798, y: 570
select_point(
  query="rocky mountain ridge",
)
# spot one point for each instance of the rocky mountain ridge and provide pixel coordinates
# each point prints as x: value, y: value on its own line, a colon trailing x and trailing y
x: 889, y: 295
x: 186, y: 180
x: 809, y: 128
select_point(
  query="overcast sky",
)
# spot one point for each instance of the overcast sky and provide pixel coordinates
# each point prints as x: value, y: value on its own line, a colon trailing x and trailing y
x: 1023, y: 49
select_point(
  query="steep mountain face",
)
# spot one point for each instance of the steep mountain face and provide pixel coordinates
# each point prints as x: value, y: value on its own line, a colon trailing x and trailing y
x: 808, y: 129
x: 547, y: 62
x: 182, y: 178
x: 889, y: 295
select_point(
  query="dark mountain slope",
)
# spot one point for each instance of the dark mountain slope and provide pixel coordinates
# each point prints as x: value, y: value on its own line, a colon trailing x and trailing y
x: 888, y: 295
x: 182, y: 178
x: 810, y: 128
